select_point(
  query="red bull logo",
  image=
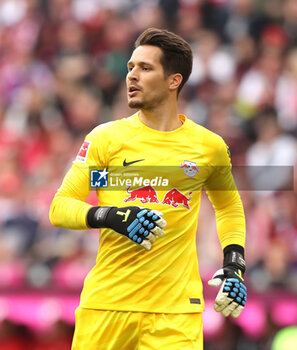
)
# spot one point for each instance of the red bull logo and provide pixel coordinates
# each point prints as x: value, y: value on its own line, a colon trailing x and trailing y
x: 146, y: 194
x: 189, y: 168
x: 174, y: 198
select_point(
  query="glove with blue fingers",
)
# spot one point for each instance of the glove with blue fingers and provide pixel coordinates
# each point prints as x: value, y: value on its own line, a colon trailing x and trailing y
x: 140, y: 225
x: 232, y: 295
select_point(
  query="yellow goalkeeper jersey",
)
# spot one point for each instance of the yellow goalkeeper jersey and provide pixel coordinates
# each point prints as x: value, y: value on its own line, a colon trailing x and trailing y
x: 128, y: 163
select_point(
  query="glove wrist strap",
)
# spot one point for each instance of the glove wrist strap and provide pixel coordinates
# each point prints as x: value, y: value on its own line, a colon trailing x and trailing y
x: 96, y: 217
x: 234, y: 258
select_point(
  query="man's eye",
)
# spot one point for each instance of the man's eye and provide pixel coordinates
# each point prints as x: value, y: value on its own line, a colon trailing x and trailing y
x: 146, y: 68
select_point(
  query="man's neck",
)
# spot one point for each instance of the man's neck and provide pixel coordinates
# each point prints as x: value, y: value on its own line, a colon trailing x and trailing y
x: 163, y: 118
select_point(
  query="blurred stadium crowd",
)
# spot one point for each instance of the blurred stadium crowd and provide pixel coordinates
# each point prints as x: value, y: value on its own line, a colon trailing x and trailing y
x: 62, y: 72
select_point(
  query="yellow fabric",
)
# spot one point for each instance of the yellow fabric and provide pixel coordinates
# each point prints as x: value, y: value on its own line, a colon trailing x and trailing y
x: 126, y: 277
x: 114, y: 330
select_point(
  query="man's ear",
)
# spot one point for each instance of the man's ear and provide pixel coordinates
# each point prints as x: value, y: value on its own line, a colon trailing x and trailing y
x: 175, y: 81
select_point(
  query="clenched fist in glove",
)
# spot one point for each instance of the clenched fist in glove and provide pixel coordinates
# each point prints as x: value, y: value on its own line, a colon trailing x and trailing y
x: 140, y: 225
x: 232, y: 295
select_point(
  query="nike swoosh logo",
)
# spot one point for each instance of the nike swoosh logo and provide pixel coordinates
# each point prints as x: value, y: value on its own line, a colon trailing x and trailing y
x: 129, y: 163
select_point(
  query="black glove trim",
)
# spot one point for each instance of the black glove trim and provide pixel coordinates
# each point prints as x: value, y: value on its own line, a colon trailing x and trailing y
x: 96, y: 217
x: 234, y: 248
x: 234, y: 255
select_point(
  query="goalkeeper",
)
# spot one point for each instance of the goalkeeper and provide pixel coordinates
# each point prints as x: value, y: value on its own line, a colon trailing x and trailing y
x: 145, y: 291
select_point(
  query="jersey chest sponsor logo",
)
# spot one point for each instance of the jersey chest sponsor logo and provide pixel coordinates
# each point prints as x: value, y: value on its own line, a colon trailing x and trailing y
x: 83, y: 152
x: 147, y: 194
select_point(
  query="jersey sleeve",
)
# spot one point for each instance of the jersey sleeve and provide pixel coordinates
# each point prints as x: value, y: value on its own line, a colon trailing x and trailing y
x: 68, y: 208
x: 222, y: 192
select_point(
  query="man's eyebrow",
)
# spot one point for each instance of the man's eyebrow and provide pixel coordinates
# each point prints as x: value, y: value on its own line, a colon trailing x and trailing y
x: 141, y: 63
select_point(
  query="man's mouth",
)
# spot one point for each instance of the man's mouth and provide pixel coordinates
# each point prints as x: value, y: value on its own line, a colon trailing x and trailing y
x: 132, y: 91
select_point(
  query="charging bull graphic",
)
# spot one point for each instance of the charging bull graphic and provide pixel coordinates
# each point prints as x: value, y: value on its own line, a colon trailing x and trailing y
x: 146, y: 194
x: 174, y: 198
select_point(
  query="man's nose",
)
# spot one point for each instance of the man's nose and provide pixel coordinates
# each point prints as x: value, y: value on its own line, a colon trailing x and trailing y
x: 132, y: 74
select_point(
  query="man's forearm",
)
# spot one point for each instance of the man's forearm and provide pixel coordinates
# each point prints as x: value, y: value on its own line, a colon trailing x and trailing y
x: 69, y: 212
x: 231, y: 224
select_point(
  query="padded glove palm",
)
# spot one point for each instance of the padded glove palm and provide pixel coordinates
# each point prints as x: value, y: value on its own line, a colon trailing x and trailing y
x: 232, y: 295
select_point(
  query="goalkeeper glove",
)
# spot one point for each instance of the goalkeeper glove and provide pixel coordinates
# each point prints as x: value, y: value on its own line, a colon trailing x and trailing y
x: 140, y: 225
x: 232, y: 295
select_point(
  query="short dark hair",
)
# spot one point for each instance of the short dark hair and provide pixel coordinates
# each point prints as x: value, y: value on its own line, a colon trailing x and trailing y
x: 177, y: 53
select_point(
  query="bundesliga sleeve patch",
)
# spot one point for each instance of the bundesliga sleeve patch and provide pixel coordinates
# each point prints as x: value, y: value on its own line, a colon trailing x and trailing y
x: 83, y: 152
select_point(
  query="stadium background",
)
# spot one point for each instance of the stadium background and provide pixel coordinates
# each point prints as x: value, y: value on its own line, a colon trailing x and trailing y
x: 62, y: 70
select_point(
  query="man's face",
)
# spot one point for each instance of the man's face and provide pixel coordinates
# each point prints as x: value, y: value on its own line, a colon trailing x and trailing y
x: 147, y: 85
